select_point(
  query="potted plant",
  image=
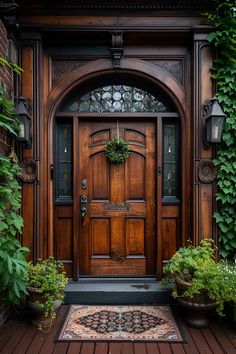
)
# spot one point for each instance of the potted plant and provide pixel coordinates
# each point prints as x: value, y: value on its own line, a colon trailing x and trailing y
x: 47, y: 282
x: 200, y: 282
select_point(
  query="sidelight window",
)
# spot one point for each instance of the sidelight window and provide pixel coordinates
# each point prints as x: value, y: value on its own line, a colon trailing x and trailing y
x: 64, y: 161
x: 170, y: 161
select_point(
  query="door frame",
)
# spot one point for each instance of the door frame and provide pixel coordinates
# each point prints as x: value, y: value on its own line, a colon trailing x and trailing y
x: 102, y: 68
x: 158, y: 120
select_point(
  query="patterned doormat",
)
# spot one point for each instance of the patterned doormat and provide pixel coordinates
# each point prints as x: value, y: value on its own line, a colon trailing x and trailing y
x: 120, y: 323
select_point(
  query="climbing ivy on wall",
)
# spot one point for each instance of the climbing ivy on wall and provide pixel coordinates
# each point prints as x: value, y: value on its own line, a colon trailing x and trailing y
x: 224, y: 72
x: 13, y: 264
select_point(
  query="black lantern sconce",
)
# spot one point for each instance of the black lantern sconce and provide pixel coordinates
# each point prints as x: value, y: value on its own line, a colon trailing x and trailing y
x: 213, y: 121
x: 24, y: 136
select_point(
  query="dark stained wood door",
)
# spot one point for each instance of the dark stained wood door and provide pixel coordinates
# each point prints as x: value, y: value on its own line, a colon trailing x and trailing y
x: 118, y: 237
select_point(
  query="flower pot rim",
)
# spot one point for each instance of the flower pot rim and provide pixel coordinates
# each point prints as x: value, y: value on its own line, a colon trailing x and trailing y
x: 34, y: 289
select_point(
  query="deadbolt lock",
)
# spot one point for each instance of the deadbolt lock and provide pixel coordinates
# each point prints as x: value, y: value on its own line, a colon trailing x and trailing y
x: 84, y: 183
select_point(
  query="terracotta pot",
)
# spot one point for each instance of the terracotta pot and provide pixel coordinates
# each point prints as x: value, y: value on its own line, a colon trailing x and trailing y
x: 196, y: 307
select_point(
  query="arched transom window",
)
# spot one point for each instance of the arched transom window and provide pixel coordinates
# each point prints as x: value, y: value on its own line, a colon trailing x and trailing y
x: 115, y: 98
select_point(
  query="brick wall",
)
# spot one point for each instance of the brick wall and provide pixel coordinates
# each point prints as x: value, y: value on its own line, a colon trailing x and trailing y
x: 6, y: 82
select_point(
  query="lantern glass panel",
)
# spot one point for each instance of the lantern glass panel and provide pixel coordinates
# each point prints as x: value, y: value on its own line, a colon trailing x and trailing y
x: 21, y: 134
x: 216, y: 128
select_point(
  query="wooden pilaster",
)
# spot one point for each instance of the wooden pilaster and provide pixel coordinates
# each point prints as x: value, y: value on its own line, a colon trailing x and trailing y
x: 203, y: 203
x: 31, y: 52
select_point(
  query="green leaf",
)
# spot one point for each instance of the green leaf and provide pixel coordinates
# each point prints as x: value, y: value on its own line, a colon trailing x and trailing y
x: 211, y: 36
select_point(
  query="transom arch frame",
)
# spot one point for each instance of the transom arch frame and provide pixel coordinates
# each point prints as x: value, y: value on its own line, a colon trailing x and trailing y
x: 145, y: 72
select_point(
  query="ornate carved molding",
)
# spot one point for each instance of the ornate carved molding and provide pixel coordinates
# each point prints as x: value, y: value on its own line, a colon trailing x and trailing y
x: 29, y: 170
x: 115, y: 5
x: 7, y: 7
x: 117, y: 47
x: 206, y: 171
x: 174, y: 67
x: 60, y: 67
x: 117, y: 256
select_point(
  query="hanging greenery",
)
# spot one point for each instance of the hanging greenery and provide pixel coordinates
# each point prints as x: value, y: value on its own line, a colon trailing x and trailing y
x: 117, y: 150
x: 224, y: 72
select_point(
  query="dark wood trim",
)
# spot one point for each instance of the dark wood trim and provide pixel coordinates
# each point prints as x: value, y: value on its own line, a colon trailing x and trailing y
x: 76, y: 189
x: 159, y: 195
x: 117, y: 114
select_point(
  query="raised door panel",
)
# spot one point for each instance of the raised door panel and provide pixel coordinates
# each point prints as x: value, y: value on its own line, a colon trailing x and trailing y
x: 135, y: 234
x: 63, y: 229
x: 100, y: 237
x: 135, y: 177
x: 169, y: 231
x: 100, y: 181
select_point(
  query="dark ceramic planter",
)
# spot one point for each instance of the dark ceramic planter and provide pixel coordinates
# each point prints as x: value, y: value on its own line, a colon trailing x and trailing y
x: 35, y: 302
x: 196, y: 308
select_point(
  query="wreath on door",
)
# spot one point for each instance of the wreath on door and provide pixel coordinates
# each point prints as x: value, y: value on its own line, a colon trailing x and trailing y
x: 117, y: 149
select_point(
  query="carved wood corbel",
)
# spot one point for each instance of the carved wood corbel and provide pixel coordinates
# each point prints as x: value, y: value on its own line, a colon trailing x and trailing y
x: 117, y: 47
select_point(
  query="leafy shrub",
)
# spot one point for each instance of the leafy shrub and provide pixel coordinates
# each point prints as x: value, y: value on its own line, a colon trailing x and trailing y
x: 196, y: 265
x: 13, y: 269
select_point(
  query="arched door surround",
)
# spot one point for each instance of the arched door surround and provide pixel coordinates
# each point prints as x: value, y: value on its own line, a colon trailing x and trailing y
x: 170, y: 219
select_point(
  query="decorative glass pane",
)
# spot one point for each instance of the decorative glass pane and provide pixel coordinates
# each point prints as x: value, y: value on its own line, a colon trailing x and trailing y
x: 169, y: 160
x: 116, y: 98
x: 64, y: 161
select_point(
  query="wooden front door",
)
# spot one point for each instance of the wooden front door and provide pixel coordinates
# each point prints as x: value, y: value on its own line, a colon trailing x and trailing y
x: 118, y: 236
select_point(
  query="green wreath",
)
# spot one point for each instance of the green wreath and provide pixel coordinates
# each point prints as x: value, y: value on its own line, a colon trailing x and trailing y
x: 117, y: 150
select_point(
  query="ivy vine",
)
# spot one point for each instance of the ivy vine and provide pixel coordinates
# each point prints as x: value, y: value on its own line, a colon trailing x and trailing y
x: 10, y: 196
x: 13, y: 264
x: 224, y: 72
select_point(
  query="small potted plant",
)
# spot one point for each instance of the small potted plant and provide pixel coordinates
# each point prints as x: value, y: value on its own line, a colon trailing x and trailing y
x: 200, y: 282
x: 47, y: 282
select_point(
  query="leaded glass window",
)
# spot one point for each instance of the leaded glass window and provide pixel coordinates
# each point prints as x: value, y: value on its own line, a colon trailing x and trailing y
x: 170, y: 160
x: 115, y: 98
x: 64, y: 161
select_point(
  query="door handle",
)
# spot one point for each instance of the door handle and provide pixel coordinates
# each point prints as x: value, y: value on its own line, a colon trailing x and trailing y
x: 83, y: 208
x: 84, y: 211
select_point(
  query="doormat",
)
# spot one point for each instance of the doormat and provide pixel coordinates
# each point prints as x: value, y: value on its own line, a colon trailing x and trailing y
x: 120, y: 323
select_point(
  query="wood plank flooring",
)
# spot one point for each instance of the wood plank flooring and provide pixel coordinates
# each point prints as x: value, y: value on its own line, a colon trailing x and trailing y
x: 19, y: 337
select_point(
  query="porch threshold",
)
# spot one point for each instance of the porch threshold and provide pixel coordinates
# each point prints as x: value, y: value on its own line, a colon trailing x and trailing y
x: 117, y: 291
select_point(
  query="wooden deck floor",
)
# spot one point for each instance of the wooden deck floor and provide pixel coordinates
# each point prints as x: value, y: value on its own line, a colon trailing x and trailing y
x: 19, y: 337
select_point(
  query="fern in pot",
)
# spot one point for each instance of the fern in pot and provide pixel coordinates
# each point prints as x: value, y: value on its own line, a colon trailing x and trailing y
x: 47, y: 281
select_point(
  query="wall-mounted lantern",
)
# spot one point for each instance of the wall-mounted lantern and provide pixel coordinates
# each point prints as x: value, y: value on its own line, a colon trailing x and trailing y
x: 24, y: 135
x: 213, y: 122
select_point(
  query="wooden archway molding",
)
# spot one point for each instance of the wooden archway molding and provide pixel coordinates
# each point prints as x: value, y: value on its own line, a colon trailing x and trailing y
x: 97, y: 68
